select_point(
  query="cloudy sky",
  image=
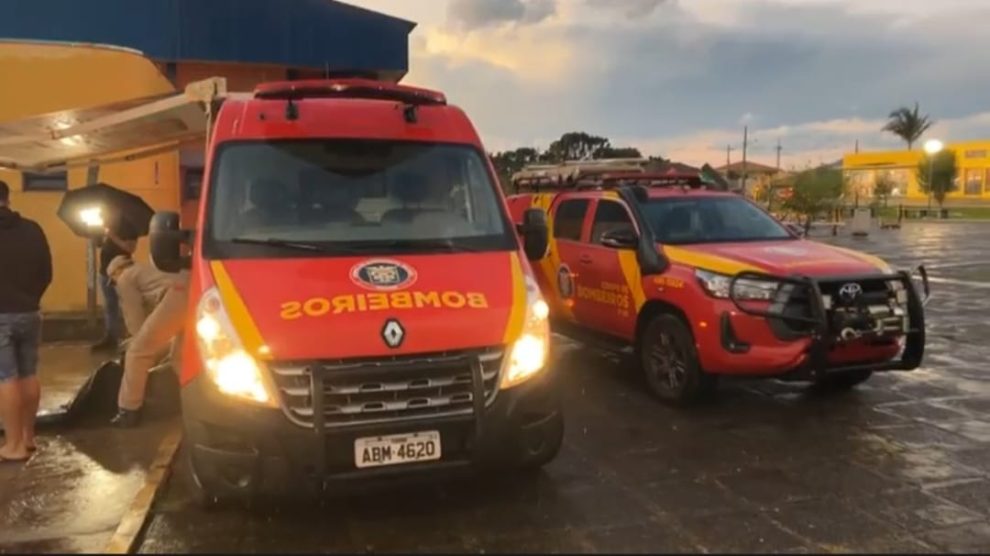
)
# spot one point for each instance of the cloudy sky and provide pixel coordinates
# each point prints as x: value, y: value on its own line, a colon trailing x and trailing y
x: 680, y: 78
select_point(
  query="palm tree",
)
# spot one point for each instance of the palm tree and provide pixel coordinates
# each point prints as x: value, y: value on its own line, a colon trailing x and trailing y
x: 908, y: 124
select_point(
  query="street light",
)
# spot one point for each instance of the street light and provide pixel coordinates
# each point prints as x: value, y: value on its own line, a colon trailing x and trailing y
x: 932, y: 147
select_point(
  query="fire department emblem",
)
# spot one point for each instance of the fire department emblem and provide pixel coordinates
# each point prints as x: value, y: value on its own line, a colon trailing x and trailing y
x: 565, y: 282
x: 383, y: 275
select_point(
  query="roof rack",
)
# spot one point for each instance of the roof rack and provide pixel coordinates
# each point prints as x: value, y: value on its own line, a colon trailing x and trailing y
x: 601, y: 174
x: 354, y: 88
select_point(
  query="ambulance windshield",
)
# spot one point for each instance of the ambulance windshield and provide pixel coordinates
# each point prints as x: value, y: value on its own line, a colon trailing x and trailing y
x: 700, y: 219
x: 353, y: 196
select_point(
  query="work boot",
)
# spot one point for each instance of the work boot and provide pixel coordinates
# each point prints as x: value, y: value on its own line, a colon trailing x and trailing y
x: 126, y: 418
x: 108, y: 343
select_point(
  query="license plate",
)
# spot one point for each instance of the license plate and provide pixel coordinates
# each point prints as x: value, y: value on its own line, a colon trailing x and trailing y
x: 395, y: 449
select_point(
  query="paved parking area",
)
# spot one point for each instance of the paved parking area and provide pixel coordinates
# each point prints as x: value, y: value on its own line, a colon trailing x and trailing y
x: 901, y: 464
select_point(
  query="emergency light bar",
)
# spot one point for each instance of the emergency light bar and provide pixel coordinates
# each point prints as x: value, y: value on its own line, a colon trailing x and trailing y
x: 599, y: 174
x: 354, y: 88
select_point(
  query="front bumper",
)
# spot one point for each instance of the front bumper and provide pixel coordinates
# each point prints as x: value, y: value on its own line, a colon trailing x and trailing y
x: 816, y: 353
x: 243, y: 451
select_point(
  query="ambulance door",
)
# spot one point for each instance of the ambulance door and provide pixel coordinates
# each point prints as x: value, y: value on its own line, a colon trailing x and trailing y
x: 611, y: 302
x: 570, y: 219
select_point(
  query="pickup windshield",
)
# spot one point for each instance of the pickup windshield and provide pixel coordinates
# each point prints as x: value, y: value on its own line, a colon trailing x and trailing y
x: 352, y: 197
x: 685, y: 220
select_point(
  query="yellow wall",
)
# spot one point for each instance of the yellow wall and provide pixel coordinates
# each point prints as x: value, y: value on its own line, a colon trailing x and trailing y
x: 44, y: 77
x: 41, y: 78
x: 972, y: 160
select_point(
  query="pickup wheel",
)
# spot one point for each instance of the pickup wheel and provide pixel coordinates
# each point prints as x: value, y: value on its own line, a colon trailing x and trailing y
x: 670, y: 362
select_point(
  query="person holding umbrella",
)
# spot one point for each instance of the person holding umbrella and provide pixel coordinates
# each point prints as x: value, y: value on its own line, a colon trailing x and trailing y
x: 114, y: 219
x: 27, y: 263
x: 119, y: 238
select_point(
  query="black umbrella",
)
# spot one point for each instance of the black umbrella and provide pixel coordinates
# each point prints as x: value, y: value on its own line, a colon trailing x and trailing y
x: 87, y: 209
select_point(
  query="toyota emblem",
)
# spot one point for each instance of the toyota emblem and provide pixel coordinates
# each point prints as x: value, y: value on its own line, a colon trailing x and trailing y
x: 850, y: 292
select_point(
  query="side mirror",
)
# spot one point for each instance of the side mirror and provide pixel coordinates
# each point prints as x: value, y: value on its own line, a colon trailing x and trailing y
x: 166, y: 241
x: 795, y: 229
x: 620, y: 238
x: 535, y: 233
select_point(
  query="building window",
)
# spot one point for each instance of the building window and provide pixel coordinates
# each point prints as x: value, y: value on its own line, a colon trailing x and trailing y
x: 979, y: 153
x: 50, y: 181
x: 974, y: 182
x: 192, y: 183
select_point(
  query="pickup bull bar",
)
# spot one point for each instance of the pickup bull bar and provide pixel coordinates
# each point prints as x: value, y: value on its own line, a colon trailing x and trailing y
x: 817, y: 364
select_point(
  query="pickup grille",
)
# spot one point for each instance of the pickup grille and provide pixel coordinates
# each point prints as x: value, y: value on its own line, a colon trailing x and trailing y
x: 374, y: 391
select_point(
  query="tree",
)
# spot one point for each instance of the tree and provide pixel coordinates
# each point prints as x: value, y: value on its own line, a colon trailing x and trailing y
x: 508, y: 163
x: 814, y: 192
x: 941, y: 170
x: 883, y: 186
x: 908, y: 124
x: 618, y: 152
x: 575, y: 145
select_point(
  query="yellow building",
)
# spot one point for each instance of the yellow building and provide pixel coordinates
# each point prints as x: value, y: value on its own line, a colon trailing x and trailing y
x: 900, y: 167
x: 52, y: 60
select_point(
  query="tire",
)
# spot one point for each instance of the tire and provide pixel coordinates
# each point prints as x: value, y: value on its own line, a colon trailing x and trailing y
x: 669, y: 361
x: 554, y: 441
x: 844, y: 380
x: 202, y: 494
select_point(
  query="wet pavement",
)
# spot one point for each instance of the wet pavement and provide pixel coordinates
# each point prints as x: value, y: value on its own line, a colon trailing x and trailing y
x: 900, y: 464
x: 63, y: 369
x: 72, y: 494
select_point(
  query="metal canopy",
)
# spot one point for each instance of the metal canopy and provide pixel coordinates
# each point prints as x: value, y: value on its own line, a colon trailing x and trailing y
x: 111, y: 133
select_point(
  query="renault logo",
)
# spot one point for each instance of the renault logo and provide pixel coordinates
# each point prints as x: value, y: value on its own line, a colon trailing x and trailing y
x: 393, y: 333
x: 849, y: 292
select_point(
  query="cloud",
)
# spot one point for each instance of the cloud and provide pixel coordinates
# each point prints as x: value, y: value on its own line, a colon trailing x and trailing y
x: 631, y: 8
x: 819, y: 75
x: 467, y: 15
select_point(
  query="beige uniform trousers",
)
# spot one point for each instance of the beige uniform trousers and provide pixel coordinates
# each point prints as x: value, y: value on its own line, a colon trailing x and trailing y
x: 151, y: 343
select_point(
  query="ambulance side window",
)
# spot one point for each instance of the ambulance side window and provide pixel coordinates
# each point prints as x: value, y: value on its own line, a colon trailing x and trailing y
x: 569, y: 219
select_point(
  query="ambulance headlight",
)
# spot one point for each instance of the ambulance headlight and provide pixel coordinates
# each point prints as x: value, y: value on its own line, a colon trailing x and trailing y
x: 528, y: 355
x: 232, y: 369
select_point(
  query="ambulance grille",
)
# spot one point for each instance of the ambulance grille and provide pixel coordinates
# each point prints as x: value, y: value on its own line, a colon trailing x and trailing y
x: 356, y: 392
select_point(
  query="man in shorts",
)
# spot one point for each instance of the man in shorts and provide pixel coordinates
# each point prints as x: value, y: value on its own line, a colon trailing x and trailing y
x: 27, y: 263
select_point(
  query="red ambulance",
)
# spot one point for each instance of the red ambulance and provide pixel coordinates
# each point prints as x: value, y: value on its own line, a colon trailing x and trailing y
x: 361, y: 305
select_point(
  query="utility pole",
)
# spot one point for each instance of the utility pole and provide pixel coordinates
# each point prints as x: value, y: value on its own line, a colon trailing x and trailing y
x: 745, y: 146
x: 779, y: 148
x: 728, y: 156
x: 857, y: 146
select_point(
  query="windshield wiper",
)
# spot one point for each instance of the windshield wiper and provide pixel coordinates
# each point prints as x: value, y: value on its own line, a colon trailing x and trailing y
x: 428, y: 245
x: 275, y: 242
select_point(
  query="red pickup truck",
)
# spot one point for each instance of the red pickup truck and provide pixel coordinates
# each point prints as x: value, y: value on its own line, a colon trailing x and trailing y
x: 705, y: 283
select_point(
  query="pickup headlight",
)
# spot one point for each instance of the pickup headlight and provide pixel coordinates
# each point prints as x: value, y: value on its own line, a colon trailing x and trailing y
x: 232, y: 369
x: 528, y: 355
x: 717, y: 285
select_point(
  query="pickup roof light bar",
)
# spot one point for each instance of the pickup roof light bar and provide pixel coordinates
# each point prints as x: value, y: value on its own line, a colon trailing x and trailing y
x: 600, y: 174
x: 349, y: 89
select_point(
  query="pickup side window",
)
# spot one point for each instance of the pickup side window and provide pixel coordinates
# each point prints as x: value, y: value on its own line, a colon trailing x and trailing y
x: 609, y: 216
x: 569, y: 219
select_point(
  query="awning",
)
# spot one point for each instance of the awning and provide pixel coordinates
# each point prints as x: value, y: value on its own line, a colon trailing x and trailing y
x: 112, y: 133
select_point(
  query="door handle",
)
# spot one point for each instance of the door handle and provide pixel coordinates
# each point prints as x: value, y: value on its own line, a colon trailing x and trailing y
x: 585, y: 259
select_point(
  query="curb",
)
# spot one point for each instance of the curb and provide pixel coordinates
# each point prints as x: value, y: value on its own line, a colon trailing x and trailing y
x: 131, y: 526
